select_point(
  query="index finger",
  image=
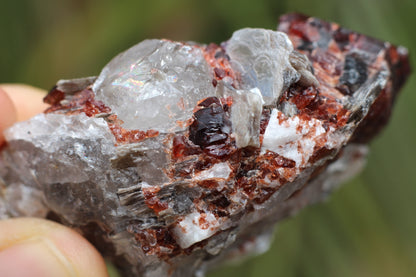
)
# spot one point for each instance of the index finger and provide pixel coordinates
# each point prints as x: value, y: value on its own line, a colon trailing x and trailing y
x: 8, y: 114
x: 27, y: 100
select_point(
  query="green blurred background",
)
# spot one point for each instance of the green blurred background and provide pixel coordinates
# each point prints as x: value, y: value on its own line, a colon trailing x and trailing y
x: 366, y: 228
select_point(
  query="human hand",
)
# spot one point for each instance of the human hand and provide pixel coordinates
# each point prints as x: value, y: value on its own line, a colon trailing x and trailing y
x: 37, y: 247
x: 18, y: 103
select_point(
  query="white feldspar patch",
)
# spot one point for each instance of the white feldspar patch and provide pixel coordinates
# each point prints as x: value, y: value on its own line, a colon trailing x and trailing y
x: 263, y: 59
x: 219, y: 170
x: 195, y: 227
x: 277, y: 135
x: 292, y: 138
x: 155, y: 84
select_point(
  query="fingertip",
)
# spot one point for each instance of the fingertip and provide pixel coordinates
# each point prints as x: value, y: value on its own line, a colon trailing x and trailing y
x: 28, y: 100
x: 8, y: 114
x: 48, y: 248
x: 85, y: 258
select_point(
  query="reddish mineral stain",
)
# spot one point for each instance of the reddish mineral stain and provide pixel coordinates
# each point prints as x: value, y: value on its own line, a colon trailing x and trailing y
x: 152, y: 200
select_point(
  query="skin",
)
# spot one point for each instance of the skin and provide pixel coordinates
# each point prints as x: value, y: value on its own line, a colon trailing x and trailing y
x: 38, y: 247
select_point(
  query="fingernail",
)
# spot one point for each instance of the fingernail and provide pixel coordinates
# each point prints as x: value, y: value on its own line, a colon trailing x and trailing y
x: 34, y: 258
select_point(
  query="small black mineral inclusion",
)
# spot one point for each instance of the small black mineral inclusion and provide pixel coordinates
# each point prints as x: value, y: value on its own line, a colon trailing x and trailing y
x: 354, y: 73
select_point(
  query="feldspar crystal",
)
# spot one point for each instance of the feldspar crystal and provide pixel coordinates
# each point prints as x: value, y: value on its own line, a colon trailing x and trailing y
x: 179, y: 156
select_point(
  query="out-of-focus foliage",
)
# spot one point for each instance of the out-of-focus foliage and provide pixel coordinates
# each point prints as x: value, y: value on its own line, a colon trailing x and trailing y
x: 367, y: 228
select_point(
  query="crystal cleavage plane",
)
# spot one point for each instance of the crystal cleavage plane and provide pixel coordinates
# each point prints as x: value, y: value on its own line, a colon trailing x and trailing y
x: 179, y: 156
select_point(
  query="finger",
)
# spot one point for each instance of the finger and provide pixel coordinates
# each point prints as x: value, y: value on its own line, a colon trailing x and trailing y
x: 7, y: 113
x: 38, y: 247
x: 26, y: 99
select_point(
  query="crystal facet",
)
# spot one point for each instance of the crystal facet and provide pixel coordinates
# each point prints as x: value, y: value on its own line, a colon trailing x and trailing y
x: 155, y: 84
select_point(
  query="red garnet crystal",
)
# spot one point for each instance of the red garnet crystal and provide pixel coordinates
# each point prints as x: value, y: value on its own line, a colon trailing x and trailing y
x: 179, y: 156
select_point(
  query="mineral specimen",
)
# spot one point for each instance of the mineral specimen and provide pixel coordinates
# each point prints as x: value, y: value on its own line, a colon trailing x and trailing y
x: 179, y: 156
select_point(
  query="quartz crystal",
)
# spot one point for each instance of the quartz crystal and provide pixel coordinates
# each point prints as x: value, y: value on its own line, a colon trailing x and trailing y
x: 180, y: 156
x: 155, y: 85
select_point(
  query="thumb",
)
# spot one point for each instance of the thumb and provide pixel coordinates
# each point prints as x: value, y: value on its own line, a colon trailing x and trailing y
x: 41, y: 248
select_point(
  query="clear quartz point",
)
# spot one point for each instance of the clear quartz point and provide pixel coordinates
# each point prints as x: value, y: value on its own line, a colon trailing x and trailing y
x: 155, y: 84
